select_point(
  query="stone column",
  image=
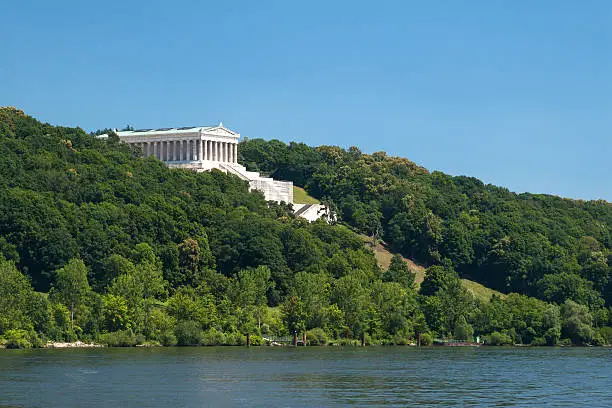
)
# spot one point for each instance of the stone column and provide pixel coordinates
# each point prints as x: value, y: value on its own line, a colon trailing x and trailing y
x: 193, y: 150
x: 235, y: 152
x: 201, y: 147
x: 164, y: 149
x: 183, y: 150
x: 230, y: 152
x: 205, y: 147
x: 154, y: 148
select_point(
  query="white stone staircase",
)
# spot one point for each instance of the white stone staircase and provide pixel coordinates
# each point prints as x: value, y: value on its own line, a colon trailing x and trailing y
x: 273, y: 190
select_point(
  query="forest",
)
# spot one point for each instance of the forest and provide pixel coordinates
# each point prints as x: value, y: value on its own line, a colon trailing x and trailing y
x: 101, y: 245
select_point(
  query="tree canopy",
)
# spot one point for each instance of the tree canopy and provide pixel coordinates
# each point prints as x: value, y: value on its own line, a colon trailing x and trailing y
x: 98, y: 243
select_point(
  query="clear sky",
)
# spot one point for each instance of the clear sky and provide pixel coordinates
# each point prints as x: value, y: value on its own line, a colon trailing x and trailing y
x: 517, y: 93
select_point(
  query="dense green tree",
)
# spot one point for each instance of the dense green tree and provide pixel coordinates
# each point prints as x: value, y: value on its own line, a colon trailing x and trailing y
x: 15, y: 298
x: 399, y: 272
x: 71, y: 286
x: 577, y: 323
x: 227, y: 257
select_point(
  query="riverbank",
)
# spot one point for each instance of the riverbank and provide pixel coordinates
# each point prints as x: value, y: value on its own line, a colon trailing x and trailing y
x: 74, y: 344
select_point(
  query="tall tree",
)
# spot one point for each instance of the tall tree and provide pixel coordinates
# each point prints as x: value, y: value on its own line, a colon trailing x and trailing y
x: 71, y: 286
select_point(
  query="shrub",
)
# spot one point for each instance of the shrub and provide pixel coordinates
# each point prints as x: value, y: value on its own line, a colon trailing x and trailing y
x: 400, y: 340
x: 426, y: 339
x: 212, y: 337
x: 17, y: 339
x: 499, y: 339
x: 552, y: 336
x: 256, y: 340
x: 188, y: 333
x: 122, y: 338
x: 346, y: 342
x: 167, y: 338
x: 316, y: 337
x: 606, y: 334
x: 235, y: 339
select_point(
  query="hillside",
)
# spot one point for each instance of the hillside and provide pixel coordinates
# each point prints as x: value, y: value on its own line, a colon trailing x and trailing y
x: 383, y: 257
x: 100, y: 244
x: 545, y: 246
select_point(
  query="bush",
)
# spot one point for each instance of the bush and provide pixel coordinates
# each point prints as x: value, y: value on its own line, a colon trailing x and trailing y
x: 167, y: 338
x: 122, y: 338
x: 188, y: 333
x: 552, y: 336
x: 346, y: 342
x: 606, y: 334
x: 235, y: 339
x: 212, y: 337
x: 426, y: 339
x: 316, y: 337
x: 499, y: 339
x: 256, y: 340
x: 17, y: 339
x: 400, y: 340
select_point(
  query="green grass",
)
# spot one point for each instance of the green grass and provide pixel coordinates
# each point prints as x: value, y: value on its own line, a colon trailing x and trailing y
x: 300, y: 196
x: 383, y: 256
x: 479, y: 291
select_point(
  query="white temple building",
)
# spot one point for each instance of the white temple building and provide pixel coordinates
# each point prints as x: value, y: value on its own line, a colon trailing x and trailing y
x: 204, y: 148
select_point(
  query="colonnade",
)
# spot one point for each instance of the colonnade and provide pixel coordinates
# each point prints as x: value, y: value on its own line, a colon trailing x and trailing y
x: 190, y: 150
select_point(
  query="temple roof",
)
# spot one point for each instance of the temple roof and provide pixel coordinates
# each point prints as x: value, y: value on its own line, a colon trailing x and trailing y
x: 217, y: 129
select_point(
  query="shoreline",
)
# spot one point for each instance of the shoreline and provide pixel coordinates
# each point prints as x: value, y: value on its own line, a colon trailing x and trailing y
x: 74, y: 344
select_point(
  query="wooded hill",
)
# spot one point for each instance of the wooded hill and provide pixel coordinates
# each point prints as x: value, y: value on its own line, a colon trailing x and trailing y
x: 540, y: 245
x: 98, y: 243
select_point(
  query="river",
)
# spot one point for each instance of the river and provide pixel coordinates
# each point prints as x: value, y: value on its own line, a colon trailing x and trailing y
x: 321, y: 377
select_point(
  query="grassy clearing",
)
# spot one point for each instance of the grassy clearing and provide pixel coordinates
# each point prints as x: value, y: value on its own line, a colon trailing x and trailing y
x: 383, y: 256
x: 479, y: 291
x: 300, y: 196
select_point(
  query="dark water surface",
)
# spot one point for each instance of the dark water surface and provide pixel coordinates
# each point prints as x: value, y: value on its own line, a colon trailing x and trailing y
x: 323, y: 377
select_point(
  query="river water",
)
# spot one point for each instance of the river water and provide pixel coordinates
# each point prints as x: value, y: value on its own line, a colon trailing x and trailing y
x: 321, y: 377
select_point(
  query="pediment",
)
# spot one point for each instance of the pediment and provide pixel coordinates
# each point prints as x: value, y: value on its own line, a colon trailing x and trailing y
x: 221, y: 131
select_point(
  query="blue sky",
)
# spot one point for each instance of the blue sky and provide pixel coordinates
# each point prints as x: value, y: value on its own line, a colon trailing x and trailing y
x: 517, y: 93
